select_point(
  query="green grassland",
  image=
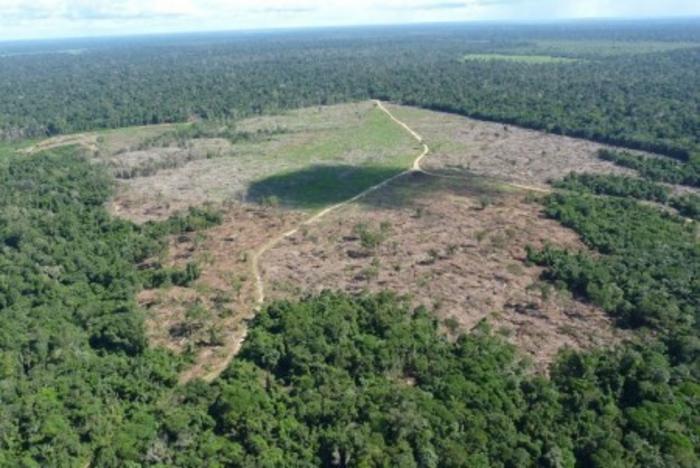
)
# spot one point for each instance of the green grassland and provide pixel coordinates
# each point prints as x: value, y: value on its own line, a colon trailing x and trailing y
x: 570, y: 51
x: 608, y: 48
x: 303, y: 159
x: 338, y: 164
x: 533, y: 59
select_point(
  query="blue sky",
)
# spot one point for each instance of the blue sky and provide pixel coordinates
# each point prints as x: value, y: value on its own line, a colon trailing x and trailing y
x: 23, y: 19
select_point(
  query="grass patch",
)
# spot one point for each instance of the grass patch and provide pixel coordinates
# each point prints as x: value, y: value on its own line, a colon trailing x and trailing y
x: 337, y: 164
x: 604, y: 48
x: 373, y: 141
x: 533, y: 59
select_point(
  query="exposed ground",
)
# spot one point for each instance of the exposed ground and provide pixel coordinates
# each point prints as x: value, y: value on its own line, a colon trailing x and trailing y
x: 457, y: 248
x: 461, y: 145
x: 302, y: 159
x: 207, y: 319
x: 455, y: 243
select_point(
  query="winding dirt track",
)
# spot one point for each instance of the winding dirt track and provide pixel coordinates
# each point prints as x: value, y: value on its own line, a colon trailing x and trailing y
x: 260, y: 285
x: 233, y: 348
x: 218, y: 368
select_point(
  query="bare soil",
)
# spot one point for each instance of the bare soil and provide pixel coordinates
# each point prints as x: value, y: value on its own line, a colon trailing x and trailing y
x: 460, y: 144
x: 166, y: 180
x: 457, y: 248
x: 207, y: 319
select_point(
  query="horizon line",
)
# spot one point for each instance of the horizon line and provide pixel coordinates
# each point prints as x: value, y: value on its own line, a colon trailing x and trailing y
x: 281, y: 29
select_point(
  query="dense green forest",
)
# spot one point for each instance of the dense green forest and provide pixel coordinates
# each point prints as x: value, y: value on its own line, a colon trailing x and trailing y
x: 338, y: 380
x: 687, y: 205
x: 332, y: 380
x: 648, y: 275
x: 645, y: 95
x: 76, y: 375
x: 335, y: 381
x: 613, y: 185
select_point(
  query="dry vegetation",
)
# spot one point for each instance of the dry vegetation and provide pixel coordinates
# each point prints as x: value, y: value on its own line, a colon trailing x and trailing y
x: 207, y: 319
x: 460, y: 145
x: 456, y: 248
x: 168, y: 179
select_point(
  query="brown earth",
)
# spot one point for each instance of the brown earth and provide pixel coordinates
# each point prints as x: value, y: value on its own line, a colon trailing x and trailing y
x: 457, y: 248
x: 460, y: 144
x: 207, y: 319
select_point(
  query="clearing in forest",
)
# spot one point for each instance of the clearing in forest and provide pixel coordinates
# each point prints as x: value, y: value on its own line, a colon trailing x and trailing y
x: 453, y: 239
x: 456, y: 245
x: 461, y: 145
x: 603, y: 48
x: 303, y: 159
x: 532, y: 59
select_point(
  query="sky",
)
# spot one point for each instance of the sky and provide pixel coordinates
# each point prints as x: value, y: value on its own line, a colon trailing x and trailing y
x: 26, y: 19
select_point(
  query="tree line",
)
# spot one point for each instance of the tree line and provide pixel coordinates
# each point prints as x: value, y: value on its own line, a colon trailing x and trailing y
x: 641, y: 100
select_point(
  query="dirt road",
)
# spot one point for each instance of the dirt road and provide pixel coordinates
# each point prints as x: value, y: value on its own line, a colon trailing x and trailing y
x: 232, y: 350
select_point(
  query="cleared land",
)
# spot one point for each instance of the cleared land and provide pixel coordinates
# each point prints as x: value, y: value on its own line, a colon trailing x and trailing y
x: 534, y: 59
x: 207, y: 319
x: 460, y: 145
x: 455, y: 243
x: 457, y: 248
x: 604, y: 48
x: 304, y: 159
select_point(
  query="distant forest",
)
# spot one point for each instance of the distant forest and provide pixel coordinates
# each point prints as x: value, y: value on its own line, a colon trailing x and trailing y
x: 641, y: 91
x: 337, y: 380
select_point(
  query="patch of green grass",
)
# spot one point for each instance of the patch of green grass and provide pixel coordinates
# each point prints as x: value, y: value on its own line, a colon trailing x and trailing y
x: 338, y: 164
x: 602, y: 48
x: 533, y: 59
x: 372, y: 142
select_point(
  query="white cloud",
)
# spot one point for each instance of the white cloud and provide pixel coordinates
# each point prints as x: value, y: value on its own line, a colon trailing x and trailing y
x: 37, y: 18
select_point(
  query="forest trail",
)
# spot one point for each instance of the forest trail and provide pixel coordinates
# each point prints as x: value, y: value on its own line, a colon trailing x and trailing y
x: 85, y: 140
x: 235, y: 345
x: 415, y: 167
x: 417, y: 163
x: 260, y: 286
